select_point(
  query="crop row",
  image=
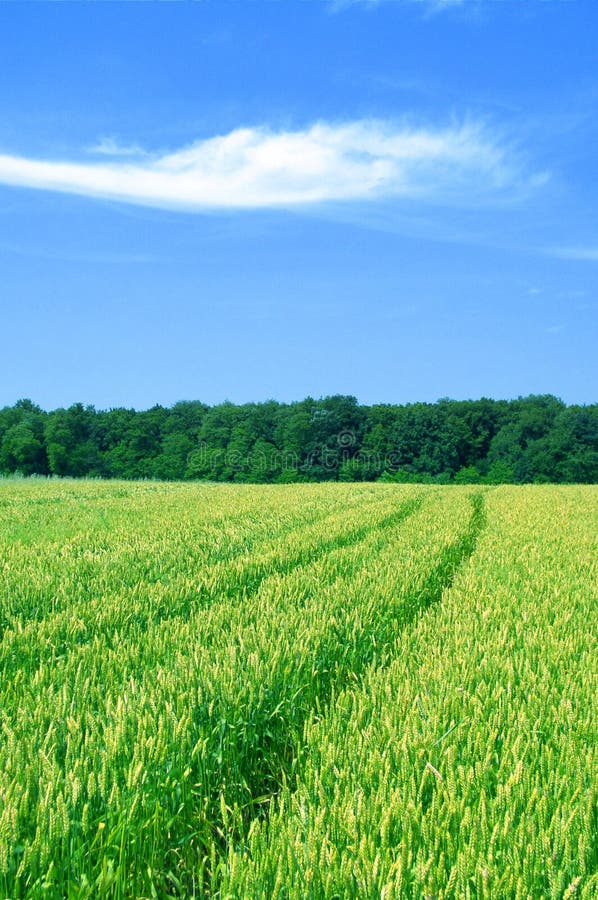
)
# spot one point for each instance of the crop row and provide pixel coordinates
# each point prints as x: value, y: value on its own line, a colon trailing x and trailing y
x: 467, y: 766
x: 97, y: 545
x: 149, y: 721
x: 122, y: 601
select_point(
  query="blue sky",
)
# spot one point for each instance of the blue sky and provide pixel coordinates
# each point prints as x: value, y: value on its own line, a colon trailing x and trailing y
x: 222, y: 200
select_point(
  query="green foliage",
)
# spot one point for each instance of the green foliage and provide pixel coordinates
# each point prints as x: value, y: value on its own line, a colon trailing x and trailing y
x: 467, y: 475
x: 532, y: 439
x: 22, y: 447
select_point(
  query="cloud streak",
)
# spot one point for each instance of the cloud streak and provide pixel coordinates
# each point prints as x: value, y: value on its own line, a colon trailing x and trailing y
x: 108, y: 146
x: 258, y: 168
x: 589, y: 254
x: 434, y: 5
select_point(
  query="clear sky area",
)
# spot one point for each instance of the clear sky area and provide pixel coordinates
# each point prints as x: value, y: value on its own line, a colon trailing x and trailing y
x: 255, y: 200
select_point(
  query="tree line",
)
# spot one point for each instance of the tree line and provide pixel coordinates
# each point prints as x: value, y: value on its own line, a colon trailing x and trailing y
x: 532, y: 439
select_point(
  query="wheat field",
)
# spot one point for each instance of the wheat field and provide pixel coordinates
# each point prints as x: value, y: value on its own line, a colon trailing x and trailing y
x: 297, y: 691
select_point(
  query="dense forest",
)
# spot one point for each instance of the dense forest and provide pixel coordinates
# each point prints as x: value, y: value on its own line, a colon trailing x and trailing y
x: 531, y: 439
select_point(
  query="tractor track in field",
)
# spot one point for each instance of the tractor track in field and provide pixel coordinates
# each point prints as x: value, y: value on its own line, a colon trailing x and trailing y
x: 242, y: 790
x: 244, y: 547
x: 453, y: 559
x: 236, y: 588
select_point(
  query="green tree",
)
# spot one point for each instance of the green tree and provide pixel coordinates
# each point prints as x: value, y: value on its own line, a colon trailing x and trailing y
x: 23, y: 451
x: 22, y: 445
x: 171, y: 463
x: 467, y: 475
x: 70, y: 441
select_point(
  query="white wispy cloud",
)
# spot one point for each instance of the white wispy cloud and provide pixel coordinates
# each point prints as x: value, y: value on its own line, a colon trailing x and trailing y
x: 109, y: 146
x: 434, y: 5
x: 91, y: 257
x: 582, y: 253
x: 253, y: 168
